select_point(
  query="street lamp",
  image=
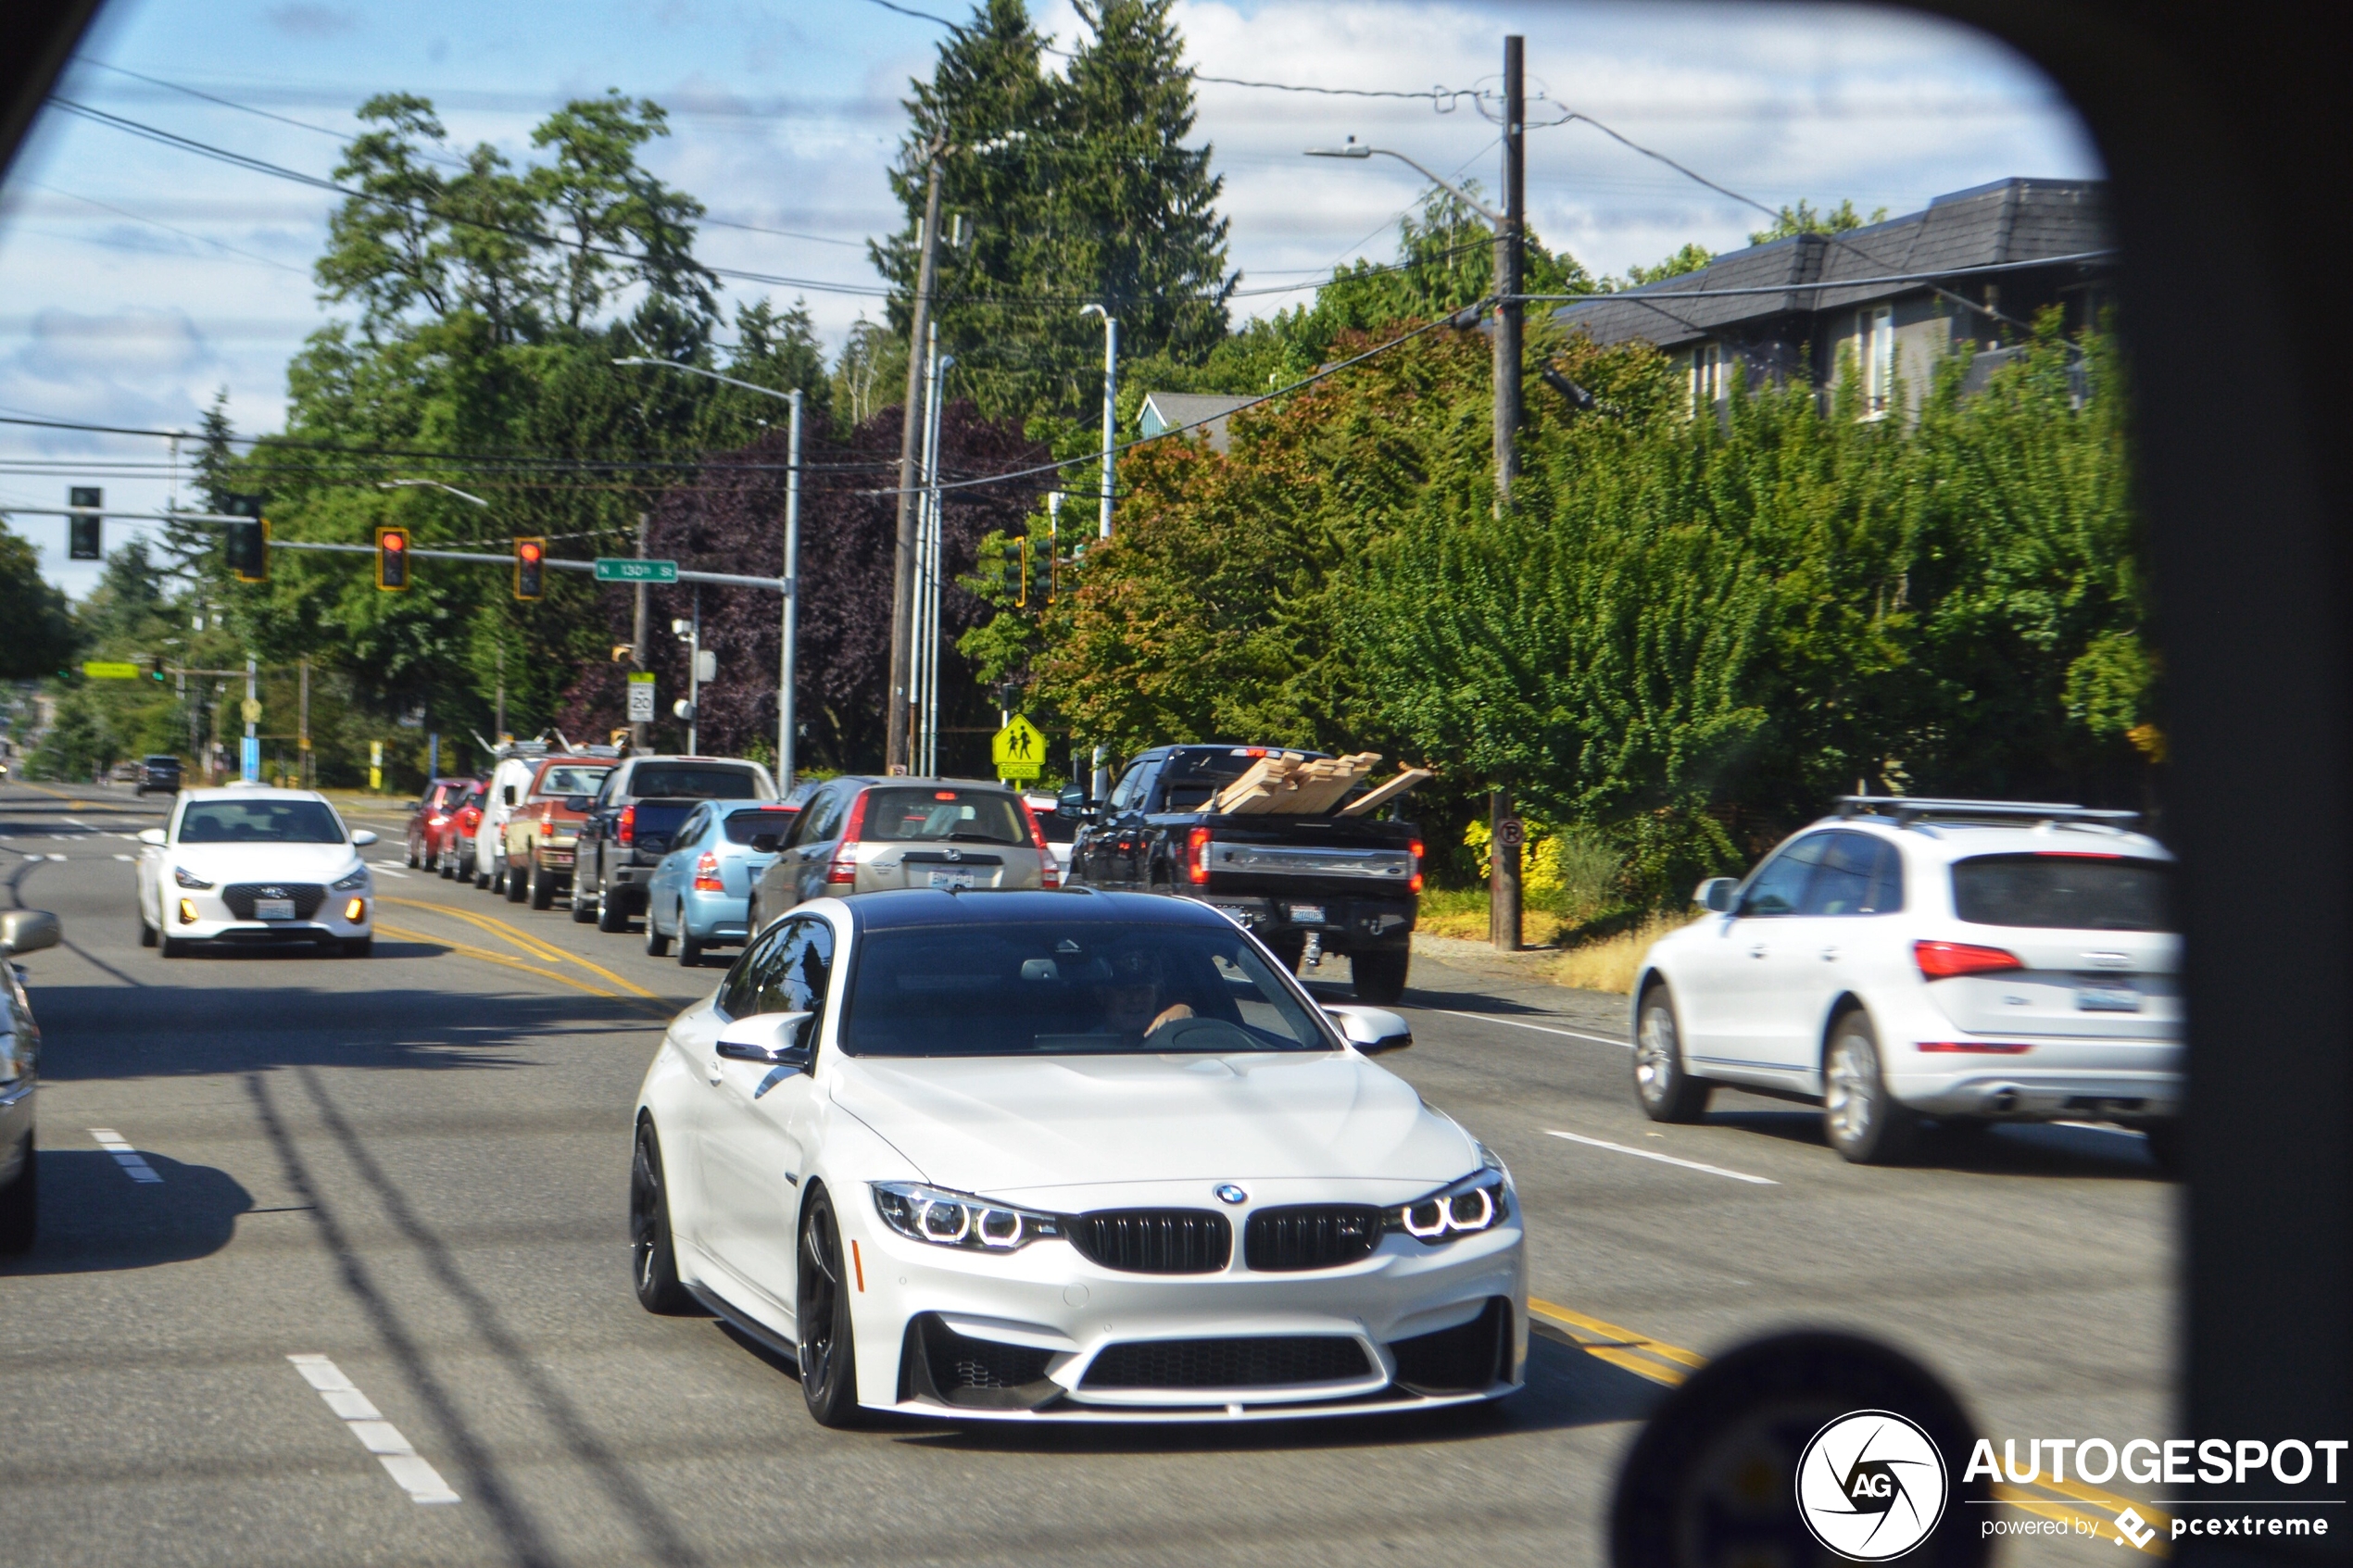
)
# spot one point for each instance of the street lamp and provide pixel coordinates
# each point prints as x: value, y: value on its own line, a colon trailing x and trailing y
x: 785, y: 727
x: 1111, y: 402
x: 404, y: 483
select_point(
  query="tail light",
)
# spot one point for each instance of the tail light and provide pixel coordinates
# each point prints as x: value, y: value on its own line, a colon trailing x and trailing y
x: 625, y: 832
x: 843, y: 872
x: 707, y: 874
x: 1946, y: 960
x: 1196, y: 857
x: 1414, y: 874
x: 1050, y: 875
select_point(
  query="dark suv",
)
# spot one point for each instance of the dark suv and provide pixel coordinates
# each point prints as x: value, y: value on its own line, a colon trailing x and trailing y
x: 159, y: 773
x: 626, y: 828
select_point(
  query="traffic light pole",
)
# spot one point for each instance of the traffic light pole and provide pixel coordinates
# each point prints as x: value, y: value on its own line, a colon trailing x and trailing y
x: 786, y: 731
x: 902, y: 577
x: 637, y: 639
x: 1503, y: 858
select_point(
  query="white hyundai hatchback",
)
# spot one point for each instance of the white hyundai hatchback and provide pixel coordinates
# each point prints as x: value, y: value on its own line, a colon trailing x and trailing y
x: 1969, y: 962
x: 1067, y: 1157
x: 246, y: 865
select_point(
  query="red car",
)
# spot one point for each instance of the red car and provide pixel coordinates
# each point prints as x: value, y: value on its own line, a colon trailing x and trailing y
x: 458, y: 840
x: 429, y: 819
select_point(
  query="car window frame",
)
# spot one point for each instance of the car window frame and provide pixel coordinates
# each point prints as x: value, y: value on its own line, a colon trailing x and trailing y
x: 756, y: 952
x: 1882, y: 855
x: 1787, y: 848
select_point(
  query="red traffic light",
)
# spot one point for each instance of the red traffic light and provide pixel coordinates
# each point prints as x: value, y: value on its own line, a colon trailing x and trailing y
x: 531, y: 557
x: 392, y: 560
x: 529, y: 550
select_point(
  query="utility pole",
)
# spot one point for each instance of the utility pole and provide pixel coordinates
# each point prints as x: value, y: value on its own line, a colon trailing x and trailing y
x: 1110, y: 408
x: 499, y: 721
x: 249, y: 762
x: 1504, y: 828
x: 308, y: 774
x: 638, y: 637
x: 786, y: 730
x: 896, y: 725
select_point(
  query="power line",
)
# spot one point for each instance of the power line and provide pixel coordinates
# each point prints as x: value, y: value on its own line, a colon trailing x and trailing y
x: 184, y: 233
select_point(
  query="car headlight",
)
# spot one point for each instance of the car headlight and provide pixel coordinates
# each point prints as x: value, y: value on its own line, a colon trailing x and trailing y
x: 1480, y: 1201
x: 958, y: 1219
x: 352, y: 881
x: 188, y: 879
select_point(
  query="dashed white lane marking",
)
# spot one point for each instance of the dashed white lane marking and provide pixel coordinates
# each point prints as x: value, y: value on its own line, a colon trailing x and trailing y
x: 379, y: 1437
x: 1663, y: 1159
x: 1540, y: 1028
x: 85, y: 826
x: 133, y: 1163
x: 388, y: 870
x: 133, y: 858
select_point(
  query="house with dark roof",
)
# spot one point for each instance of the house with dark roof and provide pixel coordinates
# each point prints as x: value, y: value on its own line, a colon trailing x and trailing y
x: 1883, y: 303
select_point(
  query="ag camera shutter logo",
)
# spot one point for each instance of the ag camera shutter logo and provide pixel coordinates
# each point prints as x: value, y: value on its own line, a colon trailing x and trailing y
x: 1871, y: 1485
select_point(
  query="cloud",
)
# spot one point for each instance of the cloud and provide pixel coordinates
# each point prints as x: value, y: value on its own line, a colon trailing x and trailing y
x: 303, y: 18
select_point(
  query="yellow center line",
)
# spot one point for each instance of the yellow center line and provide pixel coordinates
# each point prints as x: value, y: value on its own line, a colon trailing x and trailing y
x: 486, y: 956
x: 537, y: 947
x: 1608, y: 1337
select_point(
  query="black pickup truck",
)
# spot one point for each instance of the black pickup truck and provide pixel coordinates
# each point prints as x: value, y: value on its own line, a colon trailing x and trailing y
x: 627, y: 829
x: 1345, y: 885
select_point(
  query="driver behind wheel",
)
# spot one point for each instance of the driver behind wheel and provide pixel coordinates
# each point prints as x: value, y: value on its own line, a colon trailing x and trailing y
x: 1131, y: 998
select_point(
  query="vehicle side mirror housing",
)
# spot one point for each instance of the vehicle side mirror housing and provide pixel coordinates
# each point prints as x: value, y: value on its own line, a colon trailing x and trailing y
x: 507, y: 793
x: 1073, y: 803
x: 771, y: 1040
x: 577, y: 803
x: 153, y: 837
x: 1715, y: 894
x: 28, y: 931
x: 765, y: 843
x: 362, y: 837
x: 1371, y: 1030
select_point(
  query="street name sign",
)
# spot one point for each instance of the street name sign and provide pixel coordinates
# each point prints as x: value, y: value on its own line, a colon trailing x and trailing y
x: 625, y: 569
x: 110, y: 670
x: 1019, y: 750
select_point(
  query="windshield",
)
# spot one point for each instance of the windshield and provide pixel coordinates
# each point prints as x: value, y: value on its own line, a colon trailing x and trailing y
x: 742, y: 827
x: 961, y: 816
x: 1076, y: 990
x: 570, y: 779
x: 260, y: 822
x: 2062, y: 892
x: 700, y: 783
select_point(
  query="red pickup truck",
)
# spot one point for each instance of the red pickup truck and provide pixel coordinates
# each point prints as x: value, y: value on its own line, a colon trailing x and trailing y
x: 543, y: 830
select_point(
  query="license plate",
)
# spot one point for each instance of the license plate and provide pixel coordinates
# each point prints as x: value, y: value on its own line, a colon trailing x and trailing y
x: 951, y: 879
x: 2107, y: 998
x: 274, y: 908
x: 1307, y: 914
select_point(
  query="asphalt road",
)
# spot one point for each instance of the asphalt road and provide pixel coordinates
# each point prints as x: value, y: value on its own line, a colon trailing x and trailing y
x: 415, y: 1167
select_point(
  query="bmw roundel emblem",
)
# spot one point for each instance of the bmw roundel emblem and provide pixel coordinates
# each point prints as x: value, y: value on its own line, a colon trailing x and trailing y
x: 1228, y: 1193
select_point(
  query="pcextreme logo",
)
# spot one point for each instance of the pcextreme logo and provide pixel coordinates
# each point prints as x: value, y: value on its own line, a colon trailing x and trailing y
x: 1871, y: 1485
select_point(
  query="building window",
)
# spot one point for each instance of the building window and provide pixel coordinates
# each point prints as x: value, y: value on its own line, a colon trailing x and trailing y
x: 1875, y: 358
x: 1710, y: 378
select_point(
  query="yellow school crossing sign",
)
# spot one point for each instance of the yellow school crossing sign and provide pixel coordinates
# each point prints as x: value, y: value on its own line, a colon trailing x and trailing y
x: 1019, y: 750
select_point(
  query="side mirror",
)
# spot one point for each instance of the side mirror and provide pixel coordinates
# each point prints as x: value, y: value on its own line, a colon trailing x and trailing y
x: 1715, y: 895
x: 1371, y: 1030
x: 1073, y: 803
x: 507, y: 793
x: 362, y: 837
x: 771, y: 1040
x: 576, y: 803
x: 153, y: 837
x: 28, y: 931
x: 765, y: 843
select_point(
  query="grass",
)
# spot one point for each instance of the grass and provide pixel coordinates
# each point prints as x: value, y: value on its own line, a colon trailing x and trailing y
x: 1608, y: 964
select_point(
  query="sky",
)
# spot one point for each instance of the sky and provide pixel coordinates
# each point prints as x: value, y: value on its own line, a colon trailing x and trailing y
x: 137, y: 279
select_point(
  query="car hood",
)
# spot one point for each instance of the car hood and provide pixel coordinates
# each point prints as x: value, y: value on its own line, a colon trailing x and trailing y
x: 997, y: 1123
x: 263, y: 862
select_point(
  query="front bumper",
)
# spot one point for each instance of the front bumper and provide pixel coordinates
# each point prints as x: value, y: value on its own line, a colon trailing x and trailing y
x: 216, y: 921
x: 1429, y: 1325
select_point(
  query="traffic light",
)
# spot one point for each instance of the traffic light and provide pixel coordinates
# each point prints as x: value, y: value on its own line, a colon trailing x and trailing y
x: 249, y: 540
x: 531, y: 556
x: 392, y: 560
x: 82, y: 540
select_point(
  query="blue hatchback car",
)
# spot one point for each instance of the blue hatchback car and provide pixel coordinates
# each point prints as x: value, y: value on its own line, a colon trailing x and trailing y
x: 699, y: 892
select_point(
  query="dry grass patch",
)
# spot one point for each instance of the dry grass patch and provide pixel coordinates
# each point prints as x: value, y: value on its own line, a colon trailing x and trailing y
x: 1608, y: 964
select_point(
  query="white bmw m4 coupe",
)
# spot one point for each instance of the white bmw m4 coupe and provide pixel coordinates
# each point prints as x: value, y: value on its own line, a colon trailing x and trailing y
x: 1067, y: 1156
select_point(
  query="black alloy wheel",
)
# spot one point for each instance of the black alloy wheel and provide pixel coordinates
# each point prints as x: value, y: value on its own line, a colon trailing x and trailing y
x: 20, y: 1205
x: 821, y: 1317
x: 612, y: 911
x: 653, y: 1262
x: 517, y: 888
x: 1380, y: 976
x: 543, y: 886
